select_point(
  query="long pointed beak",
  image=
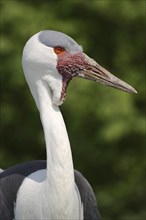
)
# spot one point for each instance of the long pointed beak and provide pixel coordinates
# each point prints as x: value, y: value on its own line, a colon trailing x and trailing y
x: 93, y: 71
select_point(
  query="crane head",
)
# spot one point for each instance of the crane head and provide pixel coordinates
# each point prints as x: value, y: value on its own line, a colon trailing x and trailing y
x: 56, y: 58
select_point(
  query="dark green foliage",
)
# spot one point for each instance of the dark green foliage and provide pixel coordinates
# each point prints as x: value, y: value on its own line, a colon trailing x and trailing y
x: 106, y: 127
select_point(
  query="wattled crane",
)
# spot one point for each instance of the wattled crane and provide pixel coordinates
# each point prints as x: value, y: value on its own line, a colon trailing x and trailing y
x: 52, y: 189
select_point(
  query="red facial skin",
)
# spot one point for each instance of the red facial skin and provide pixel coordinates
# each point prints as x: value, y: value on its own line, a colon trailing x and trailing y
x: 69, y: 65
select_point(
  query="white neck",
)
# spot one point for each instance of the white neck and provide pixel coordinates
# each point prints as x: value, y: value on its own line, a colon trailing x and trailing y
x: 59, y: 158
x: 60, y: 171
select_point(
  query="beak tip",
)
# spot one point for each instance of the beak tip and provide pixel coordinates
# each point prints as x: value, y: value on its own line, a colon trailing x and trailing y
x: 132, y: 90
x: 135, y: 92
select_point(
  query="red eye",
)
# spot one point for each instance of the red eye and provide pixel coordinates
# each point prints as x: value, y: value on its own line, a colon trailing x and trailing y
x: 58, y: 50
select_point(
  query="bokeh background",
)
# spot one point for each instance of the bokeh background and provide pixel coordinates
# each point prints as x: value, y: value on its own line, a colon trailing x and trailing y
x: 106, y: 126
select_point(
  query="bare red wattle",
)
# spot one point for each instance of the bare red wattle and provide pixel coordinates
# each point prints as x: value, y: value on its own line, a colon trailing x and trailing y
x: 69, y: 65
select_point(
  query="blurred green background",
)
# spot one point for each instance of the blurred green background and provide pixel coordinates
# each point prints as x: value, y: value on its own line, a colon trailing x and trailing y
x: 106, y: 126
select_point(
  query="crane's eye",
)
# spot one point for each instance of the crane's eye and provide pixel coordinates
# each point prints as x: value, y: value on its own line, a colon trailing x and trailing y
x: 58, y: 50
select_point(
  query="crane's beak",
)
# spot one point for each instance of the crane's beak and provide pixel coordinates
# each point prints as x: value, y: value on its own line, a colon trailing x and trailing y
x: 93, y: 71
